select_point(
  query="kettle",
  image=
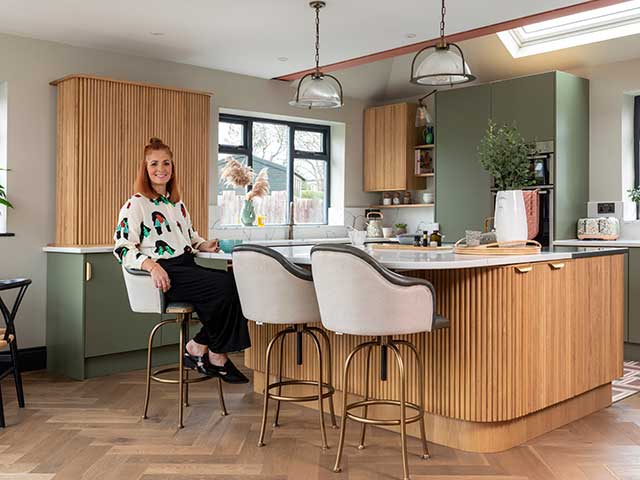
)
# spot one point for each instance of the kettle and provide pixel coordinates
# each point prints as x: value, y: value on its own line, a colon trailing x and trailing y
x: 374, y: 225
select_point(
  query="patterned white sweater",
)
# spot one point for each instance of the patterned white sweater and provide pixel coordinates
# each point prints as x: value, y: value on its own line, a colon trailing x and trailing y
x: 153, y: 228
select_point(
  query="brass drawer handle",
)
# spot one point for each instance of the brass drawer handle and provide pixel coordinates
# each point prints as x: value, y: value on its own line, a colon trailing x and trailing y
x: 556, y: 266
x: 88, y: 271
x: 524, y: 269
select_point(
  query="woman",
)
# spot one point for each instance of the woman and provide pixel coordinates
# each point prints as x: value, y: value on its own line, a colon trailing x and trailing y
x: 155, y: 234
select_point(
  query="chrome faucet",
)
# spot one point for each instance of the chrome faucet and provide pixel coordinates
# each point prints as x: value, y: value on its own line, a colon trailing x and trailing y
x: 290, y: 230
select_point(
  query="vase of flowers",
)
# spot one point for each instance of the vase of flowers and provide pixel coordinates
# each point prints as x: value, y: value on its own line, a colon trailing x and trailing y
x: 503, y: 153
x: 239, y: 176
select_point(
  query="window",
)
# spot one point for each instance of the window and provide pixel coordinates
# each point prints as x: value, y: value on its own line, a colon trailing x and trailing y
x: 3, y: 151
x: 596, y: 25
x: 296, y: 157
x: 636, y: 146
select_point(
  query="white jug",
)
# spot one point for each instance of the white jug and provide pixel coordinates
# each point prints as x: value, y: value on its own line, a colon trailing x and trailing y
x: 510, y: 216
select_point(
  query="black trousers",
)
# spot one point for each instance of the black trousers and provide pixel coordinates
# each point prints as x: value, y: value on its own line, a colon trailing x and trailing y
x: 215, y: 298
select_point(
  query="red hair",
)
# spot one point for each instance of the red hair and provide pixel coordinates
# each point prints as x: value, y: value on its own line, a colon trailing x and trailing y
x: 143, y: 183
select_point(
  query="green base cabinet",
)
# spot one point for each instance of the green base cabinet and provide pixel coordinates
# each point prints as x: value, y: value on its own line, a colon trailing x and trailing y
x: 91, y: 330
x: 633, y: 297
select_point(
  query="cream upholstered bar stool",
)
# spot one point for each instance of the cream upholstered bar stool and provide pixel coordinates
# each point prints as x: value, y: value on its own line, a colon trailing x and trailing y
x: 144, y: 297
x: 359, y: 296
x: 273, y: 290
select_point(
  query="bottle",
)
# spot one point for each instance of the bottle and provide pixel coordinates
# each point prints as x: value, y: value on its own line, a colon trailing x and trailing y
x: 425, y: 238
x: 436, y: 239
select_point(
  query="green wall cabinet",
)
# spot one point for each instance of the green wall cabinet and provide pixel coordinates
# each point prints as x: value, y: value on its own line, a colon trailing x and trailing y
x: 91, y: 330
x: 527, y: 102
x: 552, y: 106
x: 462, y: 193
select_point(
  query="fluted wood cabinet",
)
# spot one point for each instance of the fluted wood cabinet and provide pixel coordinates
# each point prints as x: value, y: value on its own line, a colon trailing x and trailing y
x: 102, y: 128
x: 389, y: 141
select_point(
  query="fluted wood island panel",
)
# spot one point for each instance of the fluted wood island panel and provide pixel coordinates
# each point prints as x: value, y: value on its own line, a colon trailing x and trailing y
x: 530, y: 347
x: 103, y: 126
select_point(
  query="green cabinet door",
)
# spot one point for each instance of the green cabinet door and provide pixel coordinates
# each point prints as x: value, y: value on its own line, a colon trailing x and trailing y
x: 65, y: 314
x: 634, y: 295
x: 529, y: 102
x: 110, y: 325
x: 572, y: 153
x: 463, y: 198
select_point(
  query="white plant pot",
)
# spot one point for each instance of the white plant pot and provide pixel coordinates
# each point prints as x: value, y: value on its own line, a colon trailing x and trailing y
x: 510, y: 216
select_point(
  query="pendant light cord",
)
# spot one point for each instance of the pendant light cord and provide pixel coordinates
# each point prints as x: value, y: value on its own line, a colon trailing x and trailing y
x: 317, y: 39
x: 443, y: 13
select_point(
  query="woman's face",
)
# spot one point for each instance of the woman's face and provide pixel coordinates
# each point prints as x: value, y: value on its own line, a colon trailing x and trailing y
x: 159, y: 168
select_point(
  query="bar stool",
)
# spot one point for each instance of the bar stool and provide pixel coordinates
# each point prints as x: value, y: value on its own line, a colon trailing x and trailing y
x: 8, y: 335
x: 359, y: 296
x: 144, y: 297
x: 275, y: 291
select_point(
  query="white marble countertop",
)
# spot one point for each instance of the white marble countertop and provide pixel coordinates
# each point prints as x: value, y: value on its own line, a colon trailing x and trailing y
x: 438, y: 260
x: 295, y: 241
x: 598, y: 243
x: 399, y: 259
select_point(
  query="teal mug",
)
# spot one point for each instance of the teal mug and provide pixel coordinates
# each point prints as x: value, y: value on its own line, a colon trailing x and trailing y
x: 227, y: 245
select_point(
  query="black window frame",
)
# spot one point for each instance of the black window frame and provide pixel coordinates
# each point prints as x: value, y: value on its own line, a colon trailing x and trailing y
x: 247, y: 150
x: 636, y: 146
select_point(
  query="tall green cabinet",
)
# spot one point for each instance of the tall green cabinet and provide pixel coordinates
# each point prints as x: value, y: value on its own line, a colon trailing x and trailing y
x: 549, y: 106
x: 91, y: 330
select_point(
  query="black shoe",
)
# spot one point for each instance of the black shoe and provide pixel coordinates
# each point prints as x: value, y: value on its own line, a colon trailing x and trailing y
x: 201, y: 364
x: 229, y: 373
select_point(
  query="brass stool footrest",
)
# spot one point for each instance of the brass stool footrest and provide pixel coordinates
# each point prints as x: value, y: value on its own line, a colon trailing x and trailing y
x: 156, y: 378
x: 300, y: 398
x: 375, y: 421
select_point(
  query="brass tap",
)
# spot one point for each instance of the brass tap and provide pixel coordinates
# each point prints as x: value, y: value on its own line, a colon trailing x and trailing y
x: 290, y: 231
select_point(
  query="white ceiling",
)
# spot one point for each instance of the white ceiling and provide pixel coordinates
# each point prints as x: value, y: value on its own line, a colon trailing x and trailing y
x: 248, y: 36
x: 488, y: 59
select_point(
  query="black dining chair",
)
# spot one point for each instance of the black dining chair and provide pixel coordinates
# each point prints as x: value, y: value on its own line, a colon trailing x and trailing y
x: 8, y: 336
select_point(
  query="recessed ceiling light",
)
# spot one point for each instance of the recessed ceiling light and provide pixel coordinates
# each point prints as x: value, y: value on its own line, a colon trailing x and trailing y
x: 157, y: 34
x: 410, y: 35
x: 283, y: 59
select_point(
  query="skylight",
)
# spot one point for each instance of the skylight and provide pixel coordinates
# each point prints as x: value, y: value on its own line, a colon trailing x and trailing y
x: 592, y: 26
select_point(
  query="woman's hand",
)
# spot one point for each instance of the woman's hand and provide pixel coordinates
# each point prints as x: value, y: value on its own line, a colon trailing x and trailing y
x: 160, y: 278
x: 209, y: 246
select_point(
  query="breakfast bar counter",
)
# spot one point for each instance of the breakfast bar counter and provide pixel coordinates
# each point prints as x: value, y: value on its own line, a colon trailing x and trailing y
x: 533, y: 344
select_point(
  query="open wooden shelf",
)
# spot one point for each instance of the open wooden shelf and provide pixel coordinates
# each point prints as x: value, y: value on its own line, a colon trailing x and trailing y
x: 425, y: 174
x: 412, y: 205
x: 426, y: 145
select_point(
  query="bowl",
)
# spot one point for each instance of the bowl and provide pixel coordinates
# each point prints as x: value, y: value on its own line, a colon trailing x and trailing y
x: 406, y: 238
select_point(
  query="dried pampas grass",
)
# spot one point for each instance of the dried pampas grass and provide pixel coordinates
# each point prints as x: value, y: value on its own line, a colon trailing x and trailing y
x: 235, y: 174
x: 260, y: 186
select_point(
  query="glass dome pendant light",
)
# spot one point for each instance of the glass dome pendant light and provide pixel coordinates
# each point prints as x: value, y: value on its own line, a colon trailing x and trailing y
x: 443, y: 66
x: 317, y: 89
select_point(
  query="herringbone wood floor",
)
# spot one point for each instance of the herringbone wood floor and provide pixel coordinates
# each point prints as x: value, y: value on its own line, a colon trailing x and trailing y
x: 92, y: 430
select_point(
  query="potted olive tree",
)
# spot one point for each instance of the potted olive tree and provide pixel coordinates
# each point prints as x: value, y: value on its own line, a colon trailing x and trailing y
x: 503, y: 153
x: 3, y: 195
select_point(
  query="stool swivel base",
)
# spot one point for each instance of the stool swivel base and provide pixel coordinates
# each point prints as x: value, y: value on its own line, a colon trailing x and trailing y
x: 183, y: 317
x: 385, y: 343
x: 325, y: 389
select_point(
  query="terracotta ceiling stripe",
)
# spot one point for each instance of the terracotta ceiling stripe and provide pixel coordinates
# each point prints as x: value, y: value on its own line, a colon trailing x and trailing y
x: 458, y: 37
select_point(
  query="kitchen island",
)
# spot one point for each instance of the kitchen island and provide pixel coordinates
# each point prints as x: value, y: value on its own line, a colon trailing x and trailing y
x: 534, y: 342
